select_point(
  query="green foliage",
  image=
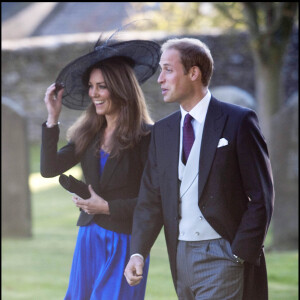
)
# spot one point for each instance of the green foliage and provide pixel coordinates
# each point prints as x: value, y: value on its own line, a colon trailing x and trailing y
x: 188, y: 17
x: 203, y: 17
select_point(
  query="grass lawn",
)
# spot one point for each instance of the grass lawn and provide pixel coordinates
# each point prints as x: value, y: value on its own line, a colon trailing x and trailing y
x: 38, y: 268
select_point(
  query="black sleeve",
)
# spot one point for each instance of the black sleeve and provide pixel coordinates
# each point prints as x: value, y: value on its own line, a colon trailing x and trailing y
x: 53, y: 162
x: 148, y: 218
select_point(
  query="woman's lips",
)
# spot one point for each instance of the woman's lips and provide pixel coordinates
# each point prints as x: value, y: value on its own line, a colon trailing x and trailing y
x: 98, y: 102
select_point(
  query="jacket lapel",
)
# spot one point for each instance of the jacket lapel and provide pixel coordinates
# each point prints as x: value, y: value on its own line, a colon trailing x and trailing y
x: 213, y: 128
x: 171, y: 146
x: 91, y: 162
x: 171, y: 153
x: 93, y: 165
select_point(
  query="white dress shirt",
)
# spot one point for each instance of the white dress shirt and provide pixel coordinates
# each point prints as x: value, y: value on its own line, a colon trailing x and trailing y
x: 198, y: 113
x: 192, y: 225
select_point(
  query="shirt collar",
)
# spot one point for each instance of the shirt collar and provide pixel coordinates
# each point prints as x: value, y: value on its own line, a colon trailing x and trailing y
x: 199, y: 111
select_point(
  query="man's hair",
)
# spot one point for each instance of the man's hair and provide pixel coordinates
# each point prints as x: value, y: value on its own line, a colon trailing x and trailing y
x: 193, y: 52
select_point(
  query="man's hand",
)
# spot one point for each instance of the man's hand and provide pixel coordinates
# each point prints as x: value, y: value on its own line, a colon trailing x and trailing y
x: 134, y: 270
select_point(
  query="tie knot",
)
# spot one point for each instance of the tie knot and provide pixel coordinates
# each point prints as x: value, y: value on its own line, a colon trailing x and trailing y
x: 188, y: 118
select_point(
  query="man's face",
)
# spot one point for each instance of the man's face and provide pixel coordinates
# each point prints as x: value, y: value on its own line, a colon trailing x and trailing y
x: 175, y: 85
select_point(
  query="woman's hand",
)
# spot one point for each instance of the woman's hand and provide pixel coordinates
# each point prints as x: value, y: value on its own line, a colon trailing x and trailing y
x: 53, y: 103
x: 93, y: 205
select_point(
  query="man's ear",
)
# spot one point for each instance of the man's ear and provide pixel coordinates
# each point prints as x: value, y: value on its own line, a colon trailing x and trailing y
x: 195, y: 73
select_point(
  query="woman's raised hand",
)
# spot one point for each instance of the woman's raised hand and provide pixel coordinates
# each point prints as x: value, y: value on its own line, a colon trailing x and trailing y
x: 53, y: 103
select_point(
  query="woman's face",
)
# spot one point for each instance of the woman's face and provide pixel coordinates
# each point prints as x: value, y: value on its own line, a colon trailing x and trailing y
x: 100, y: 95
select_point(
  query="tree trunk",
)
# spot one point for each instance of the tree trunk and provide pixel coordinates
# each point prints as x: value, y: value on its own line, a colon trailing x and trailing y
x: 270, y: 26
x: 269, y: 91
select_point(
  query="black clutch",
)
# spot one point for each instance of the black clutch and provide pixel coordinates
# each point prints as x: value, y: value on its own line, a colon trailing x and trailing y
x: 75, y: 186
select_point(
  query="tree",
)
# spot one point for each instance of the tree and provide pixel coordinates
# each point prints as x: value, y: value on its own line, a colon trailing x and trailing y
x: 185, y: 17
x: 270, y: 26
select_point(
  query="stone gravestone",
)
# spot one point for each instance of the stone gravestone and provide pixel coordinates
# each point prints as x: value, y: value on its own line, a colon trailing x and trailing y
x: 284, y: 158
x: 234, y: 95
x: 15, y: 195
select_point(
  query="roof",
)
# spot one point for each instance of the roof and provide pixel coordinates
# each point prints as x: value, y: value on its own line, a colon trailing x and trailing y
x: 27, y: 19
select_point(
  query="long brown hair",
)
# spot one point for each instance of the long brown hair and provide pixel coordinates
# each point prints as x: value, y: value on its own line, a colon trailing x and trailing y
x: 126, y: 94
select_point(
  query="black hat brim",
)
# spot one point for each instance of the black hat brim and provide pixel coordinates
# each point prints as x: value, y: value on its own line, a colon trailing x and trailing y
x: 144, y: 54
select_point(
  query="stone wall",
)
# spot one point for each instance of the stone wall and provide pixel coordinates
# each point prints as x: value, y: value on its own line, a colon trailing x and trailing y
x: 30, y: 66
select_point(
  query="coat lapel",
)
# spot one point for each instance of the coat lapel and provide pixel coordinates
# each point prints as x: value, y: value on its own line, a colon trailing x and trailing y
x: 171, y: 153
x: 213, y: 128
x: 171, y: 146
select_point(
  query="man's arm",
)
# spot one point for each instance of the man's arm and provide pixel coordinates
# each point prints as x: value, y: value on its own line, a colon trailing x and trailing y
x: 257, y: 180
x: 147, y: 220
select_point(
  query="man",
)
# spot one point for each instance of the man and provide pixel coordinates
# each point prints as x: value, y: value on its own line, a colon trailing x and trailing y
x: 208, y: 182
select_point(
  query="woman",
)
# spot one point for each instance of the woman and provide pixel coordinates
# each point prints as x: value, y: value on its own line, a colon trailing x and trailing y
x: 110, y: 140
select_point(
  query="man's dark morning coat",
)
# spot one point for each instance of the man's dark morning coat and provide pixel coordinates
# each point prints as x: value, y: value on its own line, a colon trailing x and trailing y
x: 236, y: 194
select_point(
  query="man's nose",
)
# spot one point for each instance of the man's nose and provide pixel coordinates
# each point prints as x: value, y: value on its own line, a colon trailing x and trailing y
x: 160, y: 78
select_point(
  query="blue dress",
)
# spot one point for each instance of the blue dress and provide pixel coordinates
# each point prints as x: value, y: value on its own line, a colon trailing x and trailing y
x: 99, y: 261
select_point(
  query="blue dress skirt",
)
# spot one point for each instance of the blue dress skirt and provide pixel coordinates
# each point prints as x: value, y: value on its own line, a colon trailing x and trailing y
x: 99, y: 261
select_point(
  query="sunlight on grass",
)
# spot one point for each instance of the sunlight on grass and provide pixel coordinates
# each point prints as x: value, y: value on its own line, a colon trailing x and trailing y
x: 39, y: 267
x: 38, y: 183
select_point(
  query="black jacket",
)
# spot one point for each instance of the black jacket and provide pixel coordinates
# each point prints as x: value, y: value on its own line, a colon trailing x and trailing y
x: 236, y: 193
x: 119, y: 183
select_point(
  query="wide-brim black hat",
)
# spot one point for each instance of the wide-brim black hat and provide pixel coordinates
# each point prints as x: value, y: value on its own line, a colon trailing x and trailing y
x: 143, y: 54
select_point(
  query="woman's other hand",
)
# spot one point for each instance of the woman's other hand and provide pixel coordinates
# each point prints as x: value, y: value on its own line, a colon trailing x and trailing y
x: 94, y: 205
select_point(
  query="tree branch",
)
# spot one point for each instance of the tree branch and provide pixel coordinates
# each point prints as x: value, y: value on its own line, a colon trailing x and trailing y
x: 226, y: 9
x: 250, y: 11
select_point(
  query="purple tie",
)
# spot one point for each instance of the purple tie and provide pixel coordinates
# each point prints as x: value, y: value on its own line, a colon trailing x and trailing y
x: 188, y: 137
